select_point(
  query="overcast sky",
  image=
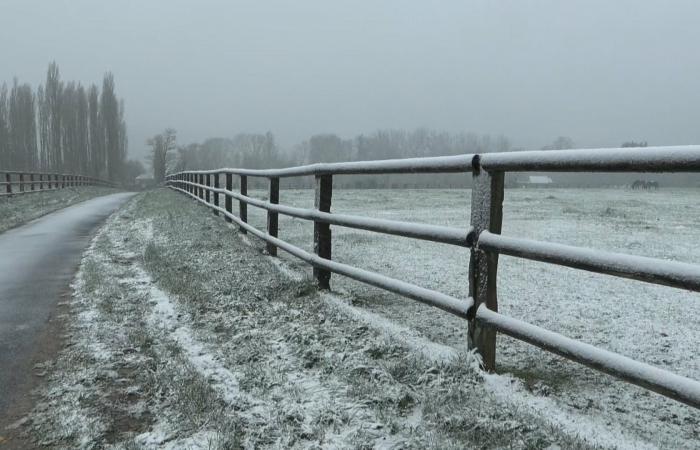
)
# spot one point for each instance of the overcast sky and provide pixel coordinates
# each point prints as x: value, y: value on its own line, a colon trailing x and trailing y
x: 601, y: 72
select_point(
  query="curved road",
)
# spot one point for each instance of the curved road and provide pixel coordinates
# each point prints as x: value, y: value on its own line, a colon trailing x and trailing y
x: 37, y: 264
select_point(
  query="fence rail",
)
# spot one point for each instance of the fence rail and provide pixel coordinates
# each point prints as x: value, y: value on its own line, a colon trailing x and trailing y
x: 482, y: 236
x: 17, y: 182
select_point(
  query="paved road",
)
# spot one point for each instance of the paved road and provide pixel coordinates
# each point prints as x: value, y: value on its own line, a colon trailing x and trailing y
x: 37, y: 264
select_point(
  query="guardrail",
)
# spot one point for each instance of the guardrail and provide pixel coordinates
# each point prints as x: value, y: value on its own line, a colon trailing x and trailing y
x: 483, y: 237
x: 15, y: 183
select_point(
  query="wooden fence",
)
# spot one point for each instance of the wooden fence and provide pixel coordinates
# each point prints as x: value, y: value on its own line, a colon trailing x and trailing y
x: 483, y: 237
x: 15, y: 183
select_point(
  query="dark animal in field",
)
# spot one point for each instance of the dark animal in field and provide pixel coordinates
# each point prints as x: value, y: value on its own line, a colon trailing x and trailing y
x: 646, y: 185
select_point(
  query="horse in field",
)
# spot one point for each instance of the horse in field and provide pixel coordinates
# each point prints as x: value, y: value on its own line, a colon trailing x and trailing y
x: 646, y: 185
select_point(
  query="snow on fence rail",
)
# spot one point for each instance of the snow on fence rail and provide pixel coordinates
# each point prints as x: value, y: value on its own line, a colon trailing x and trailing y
x: 482, y: 236
x: 14, y: 182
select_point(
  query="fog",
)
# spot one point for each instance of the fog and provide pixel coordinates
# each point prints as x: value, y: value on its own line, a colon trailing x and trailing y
x: 599, y: 72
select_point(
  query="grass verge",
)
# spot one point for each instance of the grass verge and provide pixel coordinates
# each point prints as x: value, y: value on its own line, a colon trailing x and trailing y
x: 19, y: 209
x: 187, y: 337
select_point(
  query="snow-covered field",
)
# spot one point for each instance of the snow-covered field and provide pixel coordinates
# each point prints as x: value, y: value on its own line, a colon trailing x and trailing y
x: 186, y: 336
x: 654, y: 324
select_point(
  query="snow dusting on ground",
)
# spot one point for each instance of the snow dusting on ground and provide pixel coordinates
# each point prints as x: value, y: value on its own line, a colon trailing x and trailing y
x: 186, y: 335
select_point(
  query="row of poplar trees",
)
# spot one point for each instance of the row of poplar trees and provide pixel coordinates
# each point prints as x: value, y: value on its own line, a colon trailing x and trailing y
x: 64, y: 127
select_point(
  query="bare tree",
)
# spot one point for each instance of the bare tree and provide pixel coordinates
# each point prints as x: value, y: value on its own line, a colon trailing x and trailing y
x: 161, y: 147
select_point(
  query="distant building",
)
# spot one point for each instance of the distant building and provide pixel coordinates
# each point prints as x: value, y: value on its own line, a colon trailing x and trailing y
x: 535, y: 181
x: 145, y: 181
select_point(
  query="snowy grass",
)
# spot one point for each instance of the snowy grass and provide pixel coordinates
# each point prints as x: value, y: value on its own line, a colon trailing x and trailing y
x: 19, y: 209
x: 654, y: 324
x: 188, y: 337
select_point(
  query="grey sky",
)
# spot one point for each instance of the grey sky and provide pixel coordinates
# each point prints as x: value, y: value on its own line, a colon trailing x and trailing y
x: 600, y: 72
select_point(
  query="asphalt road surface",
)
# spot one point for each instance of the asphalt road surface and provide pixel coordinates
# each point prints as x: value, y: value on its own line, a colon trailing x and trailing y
x: 37, y: 264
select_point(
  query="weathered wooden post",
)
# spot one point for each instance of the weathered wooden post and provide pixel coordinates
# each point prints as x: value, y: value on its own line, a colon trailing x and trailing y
x: 21, y: 182
x: 200, y: 182
x: 32, y: 184
x: 243, y: 206
x: 228, y: 200
x: 207, y: 192
x: 41, y: 181
x: 486, y: 214
x: 8, y: 183
x: 57, y: 181
x: 216, y: 194
x: 322, y: 231
x: 272, y: 216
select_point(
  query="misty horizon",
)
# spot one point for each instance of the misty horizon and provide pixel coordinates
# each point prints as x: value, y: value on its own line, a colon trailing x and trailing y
x: 618, y: 72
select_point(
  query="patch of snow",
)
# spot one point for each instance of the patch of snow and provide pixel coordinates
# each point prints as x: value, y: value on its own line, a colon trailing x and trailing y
x: 510, y: 391
x: 429, y: 349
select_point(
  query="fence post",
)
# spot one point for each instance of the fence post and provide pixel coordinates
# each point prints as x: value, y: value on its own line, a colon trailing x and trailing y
x: 32, y: 185
x: 322, y: 231
x: 216, y: 194
x: 8, y: 186
x: 486, y: 214
x: 200, y: 182
x: 207, y: 192
x: 228, y: 200
x: 272, y: 217
x: 243, y: 206
x: 21, y: 182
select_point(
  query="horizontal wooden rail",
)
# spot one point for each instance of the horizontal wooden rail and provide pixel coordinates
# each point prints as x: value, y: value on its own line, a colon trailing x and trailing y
x: 440, y: 164
x: 439, y: 300
x: 650, y: 270
x: 435, y: 233
x: 658, y: 380
x: 483, y: 237
x: 684, y: 158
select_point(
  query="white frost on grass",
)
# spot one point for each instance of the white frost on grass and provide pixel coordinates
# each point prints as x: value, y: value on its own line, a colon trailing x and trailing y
x: 430, y: 350
x: 163, y: 436
x: 207, y: 364
x: 505, y: 388
x: 510, y: 391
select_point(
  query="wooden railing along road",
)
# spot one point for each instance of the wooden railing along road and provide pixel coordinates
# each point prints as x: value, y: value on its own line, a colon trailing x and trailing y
x: 14, y: 183
x: 483, y: 237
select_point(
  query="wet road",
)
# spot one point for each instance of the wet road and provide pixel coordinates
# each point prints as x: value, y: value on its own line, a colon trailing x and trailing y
x: 37, y: 264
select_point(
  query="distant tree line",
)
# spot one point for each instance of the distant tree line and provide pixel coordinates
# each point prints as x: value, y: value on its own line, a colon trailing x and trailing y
x: 260, y: 151
x: 63, y: 127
